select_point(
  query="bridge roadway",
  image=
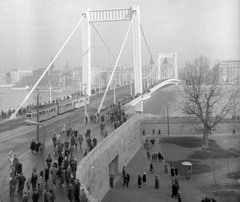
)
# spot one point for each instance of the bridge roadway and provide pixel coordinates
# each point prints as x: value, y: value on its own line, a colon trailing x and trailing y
x: 19, y: 139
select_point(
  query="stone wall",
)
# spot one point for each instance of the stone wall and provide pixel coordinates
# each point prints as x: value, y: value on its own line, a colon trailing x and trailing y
x: 93, y: 170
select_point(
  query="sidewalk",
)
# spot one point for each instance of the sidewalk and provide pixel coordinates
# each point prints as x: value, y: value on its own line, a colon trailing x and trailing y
x: 137, y: 166
x: 29, y: 160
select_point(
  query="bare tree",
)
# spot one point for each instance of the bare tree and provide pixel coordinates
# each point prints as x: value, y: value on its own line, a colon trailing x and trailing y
x: 203, y: 95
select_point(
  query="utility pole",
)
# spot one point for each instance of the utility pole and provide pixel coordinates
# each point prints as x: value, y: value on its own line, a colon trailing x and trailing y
x: 37, y: 117
x: 114, y: 93
x: 131, y: 87
x: 85, y: 102
x: 168, y: 118
x: 50, y: 90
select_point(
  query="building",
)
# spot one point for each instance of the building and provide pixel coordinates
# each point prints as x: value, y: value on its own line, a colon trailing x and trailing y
x: 230, y: 71
x: 24, y: 73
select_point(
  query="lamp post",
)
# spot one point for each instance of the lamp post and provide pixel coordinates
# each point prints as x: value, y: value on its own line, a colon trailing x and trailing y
x: 50, y: 91
x: 114, y: 93
x: 43, y: 161
x: 85, y: 100
x: 168, y: 117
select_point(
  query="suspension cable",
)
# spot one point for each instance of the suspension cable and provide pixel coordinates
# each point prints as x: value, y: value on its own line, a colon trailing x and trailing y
x: 53, y: 60
x: 110, y: 50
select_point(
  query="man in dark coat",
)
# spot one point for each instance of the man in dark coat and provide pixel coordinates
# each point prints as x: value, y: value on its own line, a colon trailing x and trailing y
x: 32, y: 146
x: 159, y: 156
x: 76, y: 190
x: 172, y: 170
x: 21, y: 182
x: 70, y: 192
x: 111, y: 181
x: 34, y: 181
x: 157, y: 182
x: 35, y: 196
x: 128, y: 178
x: 18, y: 167
x: 49, y: 161
x: 139, y: 181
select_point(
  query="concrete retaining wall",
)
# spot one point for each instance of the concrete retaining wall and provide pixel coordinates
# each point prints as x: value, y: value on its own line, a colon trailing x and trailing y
x: 93, y: 170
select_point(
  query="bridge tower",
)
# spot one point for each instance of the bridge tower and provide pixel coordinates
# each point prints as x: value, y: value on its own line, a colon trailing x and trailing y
x: 105, y: 15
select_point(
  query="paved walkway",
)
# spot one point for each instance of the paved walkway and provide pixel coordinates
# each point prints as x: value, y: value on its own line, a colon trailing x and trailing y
x: 29, y: 160
x: 137, y: 166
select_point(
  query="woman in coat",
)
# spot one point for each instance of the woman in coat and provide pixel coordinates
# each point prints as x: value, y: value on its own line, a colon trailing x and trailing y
x: 144, y: 178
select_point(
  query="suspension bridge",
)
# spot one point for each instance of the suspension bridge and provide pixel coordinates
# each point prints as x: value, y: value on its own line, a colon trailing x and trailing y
x: 148, y: 76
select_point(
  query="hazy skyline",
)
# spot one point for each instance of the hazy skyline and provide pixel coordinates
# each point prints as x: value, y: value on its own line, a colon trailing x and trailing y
x: 32, y: 32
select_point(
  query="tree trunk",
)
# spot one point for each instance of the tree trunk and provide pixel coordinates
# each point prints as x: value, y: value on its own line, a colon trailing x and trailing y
x: 205, y: 137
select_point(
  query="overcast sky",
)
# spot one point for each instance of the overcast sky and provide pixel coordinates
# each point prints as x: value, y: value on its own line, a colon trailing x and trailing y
x: 32, y: 31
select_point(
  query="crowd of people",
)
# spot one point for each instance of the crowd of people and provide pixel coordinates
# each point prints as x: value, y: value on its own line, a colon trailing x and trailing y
x: 61, y: 167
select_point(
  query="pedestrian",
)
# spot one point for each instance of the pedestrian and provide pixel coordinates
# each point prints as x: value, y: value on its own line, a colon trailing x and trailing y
x: 34, y: 170
x: 111, y: 181
x: 25, y: 197
x: 49, y: 161
x: 80, y: 140
x: 12, y: 185
x: 176, y: 171
x: 106, y: 133
x: 28, y: 184
x: 144, y: 178
x: 34, y: 181
x: 54, y: 140
x: 151, y: 168
x: 157, y: 186
x: 174, y: 190
x: 32, y: 146
x: 172, y: 170
x: 128, y: 179
x: 139, y: 181
x: 21, y: 182
x: 53, y: 172
x: 123, y: 172
x: 53, y: 193
x: 234, y: 131
x: 179, y: 197
x: 83, y: 196
x: 166, y: 167
x: 85, y: 153
x: 125, y: 180
x: 159, y: 156
x: 159, y: 132
x: 153, y: 132
x: 148, y: 154
x: 48, y: 196
x: 35, y: 196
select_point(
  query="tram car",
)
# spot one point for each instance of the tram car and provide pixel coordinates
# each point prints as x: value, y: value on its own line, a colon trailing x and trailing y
x: 55, y: 109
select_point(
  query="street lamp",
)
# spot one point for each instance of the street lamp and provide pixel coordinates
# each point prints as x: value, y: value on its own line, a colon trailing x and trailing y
x: 85, y: 101
x: 168, y: 117
x: 114, y: 93
x: 43, y: 162
x: 50, y: 90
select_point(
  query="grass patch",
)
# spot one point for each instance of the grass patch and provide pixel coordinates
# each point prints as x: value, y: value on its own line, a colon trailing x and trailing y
x: 189, y: 142
x: 197, y: 167
x: 213, y: 151
x: 234, y: 175
x: 228, y: 196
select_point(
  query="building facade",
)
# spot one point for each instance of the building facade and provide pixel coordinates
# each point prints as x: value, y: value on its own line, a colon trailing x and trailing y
x: 230, y: 71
